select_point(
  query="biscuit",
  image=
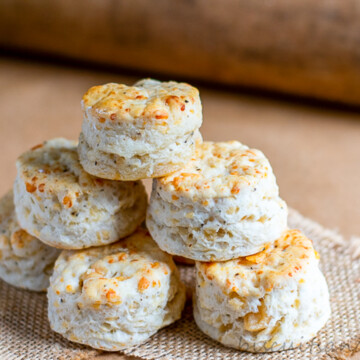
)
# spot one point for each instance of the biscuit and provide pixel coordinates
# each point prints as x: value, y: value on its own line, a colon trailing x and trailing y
x: 127, y: 291
x: 223, y: 204
x: 65, y: 207
x: 270, y: 301
x: 142, y: 131
x: 25, y: 261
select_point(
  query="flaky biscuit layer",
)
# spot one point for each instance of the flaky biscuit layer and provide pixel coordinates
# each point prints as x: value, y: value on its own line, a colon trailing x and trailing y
x: 65, y: 207
x: 150, y: 127
x: 25, y: 261
x: 270, y: 301
x: 127, y: 291
x: 223, y: 204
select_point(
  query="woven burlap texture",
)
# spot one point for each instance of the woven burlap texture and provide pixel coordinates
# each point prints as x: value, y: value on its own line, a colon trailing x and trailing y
x: 25, y: 332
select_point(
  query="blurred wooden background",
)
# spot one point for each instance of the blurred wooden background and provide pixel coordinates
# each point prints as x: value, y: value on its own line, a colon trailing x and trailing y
x: 300, y: 47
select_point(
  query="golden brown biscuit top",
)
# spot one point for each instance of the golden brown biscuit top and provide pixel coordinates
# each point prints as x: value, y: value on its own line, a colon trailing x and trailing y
x: 219, y: 169
x: 54, y: 168
x: 148, y: 100
x: 285, y: 259
x: 110, y: 274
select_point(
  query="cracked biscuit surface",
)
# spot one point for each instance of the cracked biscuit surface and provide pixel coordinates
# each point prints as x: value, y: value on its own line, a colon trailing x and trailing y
x: 115, y: 296
x: 65, y: 207
x: 142, y: 131
x: 273, y: 300
x: 223, y: 204
x: 25, y: 261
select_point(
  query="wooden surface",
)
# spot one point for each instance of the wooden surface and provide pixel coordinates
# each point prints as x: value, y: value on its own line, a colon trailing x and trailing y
x: 315, y: 152
x: 303, y: 47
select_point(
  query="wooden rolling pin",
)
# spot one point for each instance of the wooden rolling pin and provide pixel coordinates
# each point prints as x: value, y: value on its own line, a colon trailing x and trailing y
x: 304, y: 47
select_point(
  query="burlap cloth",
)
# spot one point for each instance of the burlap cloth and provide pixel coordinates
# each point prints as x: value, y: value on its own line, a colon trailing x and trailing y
x: 25, y: 332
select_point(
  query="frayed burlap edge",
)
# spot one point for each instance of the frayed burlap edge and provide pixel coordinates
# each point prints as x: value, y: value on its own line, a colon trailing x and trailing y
x: 25, y: 333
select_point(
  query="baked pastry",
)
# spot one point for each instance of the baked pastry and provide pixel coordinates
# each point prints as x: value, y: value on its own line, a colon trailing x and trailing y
x: 270, y: 301
x: 223, y: 204
x: 142, y: 131
x: 65, y: 207
x: 115, y: 296
x: 25, y: 261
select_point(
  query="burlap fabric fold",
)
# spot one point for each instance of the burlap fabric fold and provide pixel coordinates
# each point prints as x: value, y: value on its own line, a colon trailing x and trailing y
x: 25, y: 332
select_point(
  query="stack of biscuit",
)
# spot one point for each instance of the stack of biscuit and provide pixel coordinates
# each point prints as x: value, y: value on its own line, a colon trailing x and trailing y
x: 73, y: 225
